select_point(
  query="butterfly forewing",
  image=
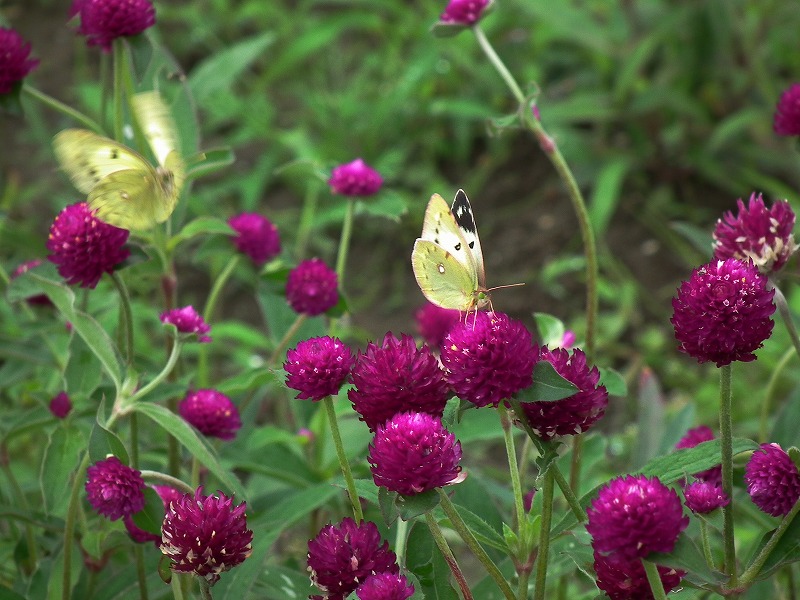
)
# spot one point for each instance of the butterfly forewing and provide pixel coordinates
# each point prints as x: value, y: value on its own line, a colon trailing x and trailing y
x: 465, y: 219
x: 440, y: 227
x: 443, y: 279
x: 157, y: 124
x: 130, y: 200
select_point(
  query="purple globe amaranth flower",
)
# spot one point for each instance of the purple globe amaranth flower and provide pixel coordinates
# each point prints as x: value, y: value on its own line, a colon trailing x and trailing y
x: 575, y: 414
x: 84, y: 247
x: 167, y: 494
x: 787, y: 113
x: 463, y: 12
x: 633, y: 516
x: 60, y: 405
x: 692, y: 438
x: 257, y: 237
x: 772, y: 479
x: 205, y: 535
x: 397, y: 377
x: 355, y: 178
x: 342, y: 556
x: 761, y: 235
x: 186, y: 320
x: 311, y: 288
x: 114, y: 489
x: 385, y: 586
x: 433, y: 323
x: 15, y: 61
x: 489, y: 359
x: 722, y: 313
x: 318, y: 367
x: 623, y: 579
x: 103, y: 21
x: 211, y: 412
x: 704, y: 496
x: 412, y: 453
x: 138, y: 535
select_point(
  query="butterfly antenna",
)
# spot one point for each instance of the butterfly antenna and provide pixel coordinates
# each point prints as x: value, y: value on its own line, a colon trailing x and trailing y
x: 502, y: 287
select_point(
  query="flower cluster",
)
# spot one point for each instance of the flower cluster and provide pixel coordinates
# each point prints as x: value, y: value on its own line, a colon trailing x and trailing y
x: 773, y: 480
x: 15, y: 61
x: 397, y: 377
x: 575, y: 414
x: 114, y: 489
x: 632, y: 517
x: 412, y: 453
x: 60, y: 405
x: 343, y: 556
x: 385, y: 586
x: 205, y: 535
x: 186, y: 320
x: 355, y: 178
x: 723, y: 313
x: 622, y: 579
x: 463, y: 12
x: 212, y: 413
x: 256, y: 236
x: 787, y: 113
x: 311, y: 288
x: 103, y: 21
x: 433, y: 323
x: 83, y: 247
x: 318, y: 367
x: 702, y: 497
x: 489, y: 359
x: 763, y: 236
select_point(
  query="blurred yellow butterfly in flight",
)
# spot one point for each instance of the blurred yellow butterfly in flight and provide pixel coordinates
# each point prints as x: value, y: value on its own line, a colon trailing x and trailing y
x: 122, y: 186
x: 447, y: 257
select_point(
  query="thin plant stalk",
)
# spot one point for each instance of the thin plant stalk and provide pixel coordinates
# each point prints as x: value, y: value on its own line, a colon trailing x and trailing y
x: 62, y: 108
x: 344, y: 243
x: 141, y: 573
x: 287, y: 337
x: 513, y: 468
x: 441, y: 543
x: 343, y: 463
x: 544, y: 535
x: 169, y: 480
x: 69, y: 527
x: 20, y: 500
x: 205, y: 589
x: 306, y: 220
x: 208, y: 314
x: 156, y: 381
x: 469, y: 539
x: 126, y: 315
x: 654, y: 579
x: 766, y: 403
x: 726, y: 449
x: 752, y: 571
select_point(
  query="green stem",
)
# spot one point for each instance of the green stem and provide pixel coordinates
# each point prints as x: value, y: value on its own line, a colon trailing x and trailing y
x: 766, y: 404
x: 344, y: 243
x: 176, y: 585
x: 20, y: 501
x: 171, y: 481
x: 544, y: 535
x: 59, y: 106
x: 458, y: 574
x: 205, y: 589
x: 127, y: 315
x: 513, y: 467
x: 400, y: 542
x: 141, y: 573
x: 786, y: 316
x: 171, y: 361
x: 575, y: 462
x: 287, y: 337
x: 726, y: 449
x: 753, y: 570
x: 654, y: 579
x: 119, y: 88
x: 134, y: 421
x: 498, y: 64
x: 706, y: 544
x: 208, y: 315
x: 306, y: 220
x: 469, y: 539
x: 69, y: 527
x: 348, y: 476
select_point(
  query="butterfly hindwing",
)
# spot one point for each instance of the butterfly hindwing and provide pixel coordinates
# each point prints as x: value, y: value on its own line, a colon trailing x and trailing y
x: 464, y: 218
x: 155, y: 120
x: 128, y: 199
x: 443, y: 279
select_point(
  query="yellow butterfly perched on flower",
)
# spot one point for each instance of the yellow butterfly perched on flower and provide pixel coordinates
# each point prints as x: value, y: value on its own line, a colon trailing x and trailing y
x: 122, y: 186
x: 447, y: 257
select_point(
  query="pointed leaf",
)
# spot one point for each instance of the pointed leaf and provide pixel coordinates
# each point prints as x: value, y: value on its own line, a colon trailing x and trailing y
x: 413, y: 506
x: 62, y: 455
x: 548, y: 385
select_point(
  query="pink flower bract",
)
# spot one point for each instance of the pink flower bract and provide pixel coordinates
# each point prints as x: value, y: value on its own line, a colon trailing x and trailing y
x: 212, y: 413
x: 114, y: 489
x: 60, y: 405
x: 463, y: 12
x: 318, y: 367
x: 186, y: 320
x: 257, y: 237
x: 103, y: 21
x: 15, y: 61
x: 772, y: 479
x: 311, y: 288
x: 355, y: 178
x: 787, y: 113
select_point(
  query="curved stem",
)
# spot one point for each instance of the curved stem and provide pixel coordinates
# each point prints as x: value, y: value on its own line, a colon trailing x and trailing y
x: 69, y: 527
x: 469, y: 539
x: 786, y: 316
x: 513, y: 468
x: 127, y: 315
x: 753, y: 570
x: 281, y: 346
x: 208, y: 315
x: 654, y: 579
x: 544, y: 535
x: 306, y: 220
x: 141, y: 573
x: 726, y: 449
x: 344, y: 243
x: 337, y: 443
x: 438, y: 537
x: 64, y: 109
x: 766, y: 403
x: 171, y: 481
x: 205, y: 589
x: 173, y: 358
x: 498, y: 64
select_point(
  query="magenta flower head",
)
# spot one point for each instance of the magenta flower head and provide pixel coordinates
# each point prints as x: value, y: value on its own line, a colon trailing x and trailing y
x: 355, y: 178
x: 60, y: 405
x: 15, y: 61
x: 772, y: 479
x: 212, y: 413
x: 761, y: 235
x: 311, y: 288
x: 186, y: 320
x: 385, y: 586
x: 412, y: 453
x: 342, y: 556
x: 489, y: 358
x: 167, y: 494
x: 623, y: 579
x: 114, y: 490
x: 318, y: 367
x: 257, y: 237
x: 205, y: 535
x: 633, y: 516
x: 397, y: 377
x: 575, y: 414
x: 463, y: 12
x: 787, y: 113
x: 722, y: 313
x: 433, y: 323
x: 692, y: 438
x: 702, y: 497
x: 103, y: 21
x: 84, y: 247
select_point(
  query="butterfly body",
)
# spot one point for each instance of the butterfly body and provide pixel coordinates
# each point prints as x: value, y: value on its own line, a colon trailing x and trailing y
x: 447, y: 257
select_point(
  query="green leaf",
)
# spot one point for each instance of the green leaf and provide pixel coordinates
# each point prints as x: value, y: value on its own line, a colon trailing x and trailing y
x: 103, y: 442
x: 688, y: 557
x: 650, y: 418
x: 387, y: 502
x: 679, y: 464
x: 551, y: 329
x: 484, y: 532
x: 614, y: 382
x: 152, y: 515
x: 61, y: 457
x: 209, y: 161
x: 387, y: 204
x: 607, y: 193
x: 200, y: 226
x: 187, y: 436
x: 409, y: 507
x: 548, y: 385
